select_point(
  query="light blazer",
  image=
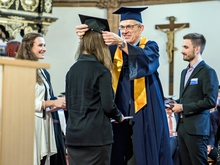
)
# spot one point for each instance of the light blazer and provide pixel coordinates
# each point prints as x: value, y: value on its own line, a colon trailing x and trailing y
x: 197, y: 98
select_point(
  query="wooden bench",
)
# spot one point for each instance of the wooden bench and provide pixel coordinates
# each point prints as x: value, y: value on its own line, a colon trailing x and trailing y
x: 210, y: 161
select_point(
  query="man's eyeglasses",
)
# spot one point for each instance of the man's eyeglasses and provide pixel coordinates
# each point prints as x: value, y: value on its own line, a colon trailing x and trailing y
x: 128, y: 27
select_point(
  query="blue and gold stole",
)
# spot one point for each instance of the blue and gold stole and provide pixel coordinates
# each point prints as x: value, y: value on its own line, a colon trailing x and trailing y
x: 140, y: 94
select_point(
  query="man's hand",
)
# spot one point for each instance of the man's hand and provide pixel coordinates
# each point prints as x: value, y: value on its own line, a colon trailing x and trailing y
x: 111, y: 38
x: 81, y: 30
x: 177, y: 108
x: 209, y: 148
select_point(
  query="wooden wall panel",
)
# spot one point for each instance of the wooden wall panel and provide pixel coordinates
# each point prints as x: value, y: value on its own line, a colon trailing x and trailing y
x: 93, y: 3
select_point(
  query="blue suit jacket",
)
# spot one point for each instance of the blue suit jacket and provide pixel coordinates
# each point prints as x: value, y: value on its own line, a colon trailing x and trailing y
x: 198, y: 97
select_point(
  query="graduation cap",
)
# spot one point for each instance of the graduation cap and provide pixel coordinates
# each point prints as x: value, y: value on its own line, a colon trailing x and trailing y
x: 94, y: 23
x: 133, y: 13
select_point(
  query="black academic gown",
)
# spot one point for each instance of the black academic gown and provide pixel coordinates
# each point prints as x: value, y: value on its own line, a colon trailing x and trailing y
x: 60, y: 157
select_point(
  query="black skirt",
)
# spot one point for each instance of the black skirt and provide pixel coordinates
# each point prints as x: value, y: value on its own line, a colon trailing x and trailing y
x: 82, y: 155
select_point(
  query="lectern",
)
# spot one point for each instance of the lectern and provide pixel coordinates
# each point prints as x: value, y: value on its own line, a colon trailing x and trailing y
x: 17, y: 105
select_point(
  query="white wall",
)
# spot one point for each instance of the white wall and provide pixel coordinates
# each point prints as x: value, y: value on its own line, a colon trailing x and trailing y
x: 203, y: 17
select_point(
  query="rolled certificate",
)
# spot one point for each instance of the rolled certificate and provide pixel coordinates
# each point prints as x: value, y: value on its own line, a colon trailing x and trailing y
x: 126, y: 117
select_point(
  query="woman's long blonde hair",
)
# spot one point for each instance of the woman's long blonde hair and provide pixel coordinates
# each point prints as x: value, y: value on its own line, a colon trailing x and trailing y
x: 93, y: 43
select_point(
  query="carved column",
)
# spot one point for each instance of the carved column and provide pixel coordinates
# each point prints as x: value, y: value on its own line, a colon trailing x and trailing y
x: 113, y: 19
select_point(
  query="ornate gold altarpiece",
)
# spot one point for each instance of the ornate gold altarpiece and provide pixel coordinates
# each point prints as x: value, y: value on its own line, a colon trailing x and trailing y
x: 23, y: 16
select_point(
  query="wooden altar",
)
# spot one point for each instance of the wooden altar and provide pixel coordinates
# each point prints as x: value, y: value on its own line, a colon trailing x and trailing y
x: 17, y: 105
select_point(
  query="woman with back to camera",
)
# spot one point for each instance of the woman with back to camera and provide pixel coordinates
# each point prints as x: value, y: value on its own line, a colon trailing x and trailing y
x: 90, y: 99
x: 33, y: 48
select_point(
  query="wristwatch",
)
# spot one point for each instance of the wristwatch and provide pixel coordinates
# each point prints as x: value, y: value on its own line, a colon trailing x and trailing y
x: 122, y: 45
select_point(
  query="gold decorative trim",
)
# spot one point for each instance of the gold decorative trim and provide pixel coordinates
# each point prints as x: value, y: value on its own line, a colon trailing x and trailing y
x: 29, y: 5
x: 14, y: 28
x: 24, y: 16
x: 48, y: 5
x: 19, y: 12
x: 44, y: 30
x: 16, y: 4
x: 16, y: 18
x: 6, y: 3
x: 28, y: 29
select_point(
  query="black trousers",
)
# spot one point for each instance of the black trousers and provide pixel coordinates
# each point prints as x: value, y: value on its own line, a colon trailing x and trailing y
x: 192, y: 148
x: 82, y: 155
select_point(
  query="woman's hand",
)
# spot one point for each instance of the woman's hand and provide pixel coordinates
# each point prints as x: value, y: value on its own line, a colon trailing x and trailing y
x: 122, y: 119
x: 59, y: 103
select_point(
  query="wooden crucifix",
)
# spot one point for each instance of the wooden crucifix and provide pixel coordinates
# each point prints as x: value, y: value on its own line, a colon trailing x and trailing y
x: 170, y: 48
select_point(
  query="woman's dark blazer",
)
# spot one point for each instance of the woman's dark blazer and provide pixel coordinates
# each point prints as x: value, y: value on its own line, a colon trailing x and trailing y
x: 90, y: 103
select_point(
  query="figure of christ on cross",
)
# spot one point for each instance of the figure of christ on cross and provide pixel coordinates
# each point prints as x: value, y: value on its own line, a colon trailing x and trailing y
x: 170, y: 41
x: 171, y: 29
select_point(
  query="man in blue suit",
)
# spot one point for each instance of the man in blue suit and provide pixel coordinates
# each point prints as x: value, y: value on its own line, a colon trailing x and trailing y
x: 198, y: 94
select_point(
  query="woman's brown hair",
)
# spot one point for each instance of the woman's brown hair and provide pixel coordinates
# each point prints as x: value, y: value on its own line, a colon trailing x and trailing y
x: 93, y: 43
x: 25, y: 50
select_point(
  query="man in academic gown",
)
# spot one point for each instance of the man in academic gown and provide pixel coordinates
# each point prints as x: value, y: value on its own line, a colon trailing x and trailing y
x: 143, y: 140
x: 138, y: 93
